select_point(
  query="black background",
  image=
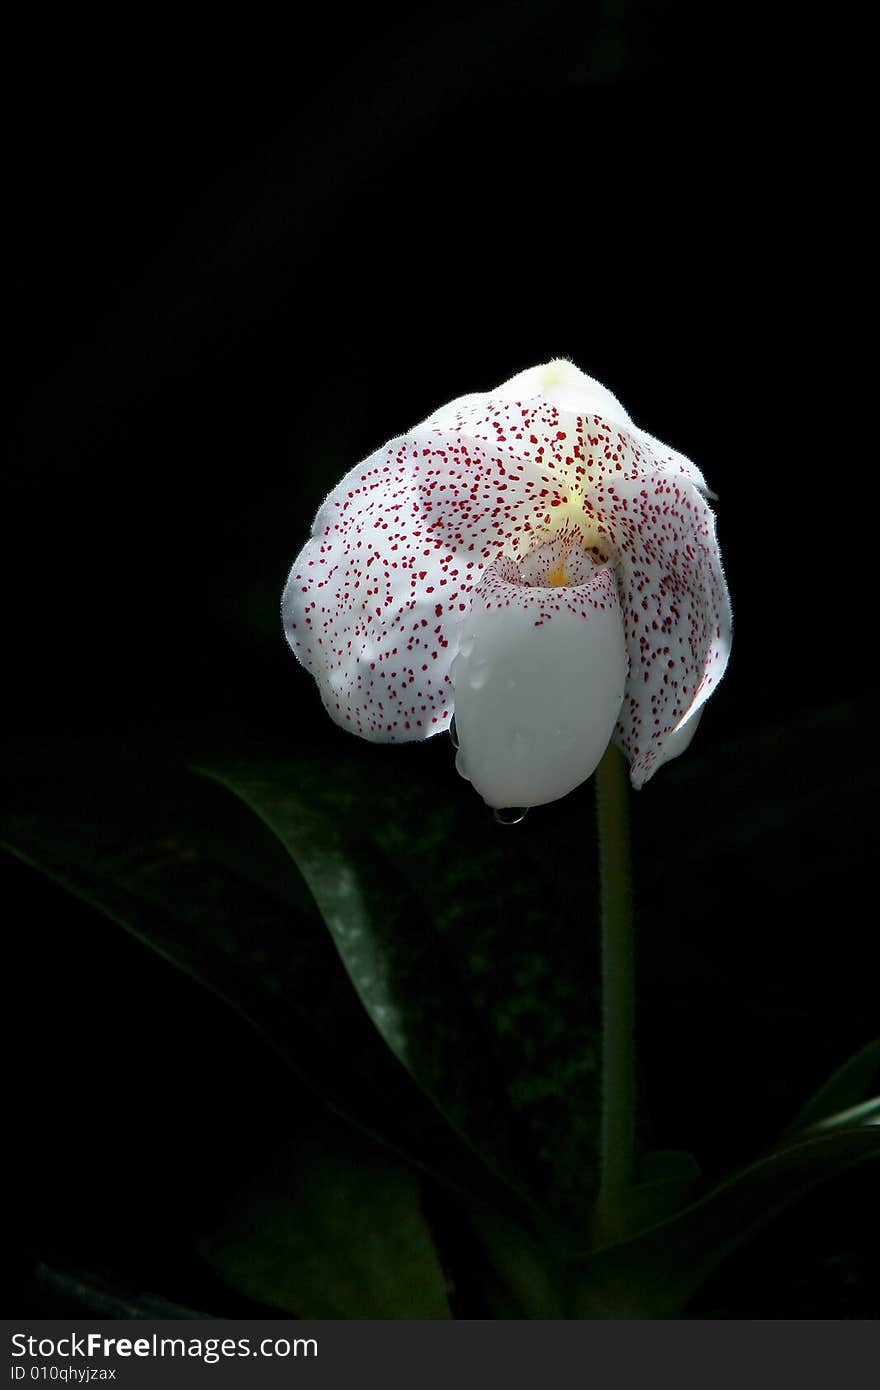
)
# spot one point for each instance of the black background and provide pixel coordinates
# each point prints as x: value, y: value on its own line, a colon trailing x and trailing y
x: 242, y: 257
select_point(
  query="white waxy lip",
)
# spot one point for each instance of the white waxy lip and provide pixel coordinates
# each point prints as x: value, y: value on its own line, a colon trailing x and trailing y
x: 539, y: 679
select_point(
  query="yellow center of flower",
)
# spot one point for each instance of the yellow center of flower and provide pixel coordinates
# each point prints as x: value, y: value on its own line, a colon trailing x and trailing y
x: 574, y: 525
x: 557, y: 575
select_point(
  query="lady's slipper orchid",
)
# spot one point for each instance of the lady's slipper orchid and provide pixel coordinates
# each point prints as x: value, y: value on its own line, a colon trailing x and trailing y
x: 531, y: 561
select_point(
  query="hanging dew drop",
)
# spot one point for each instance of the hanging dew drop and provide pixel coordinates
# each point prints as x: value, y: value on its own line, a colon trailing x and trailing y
x: 510, y: 815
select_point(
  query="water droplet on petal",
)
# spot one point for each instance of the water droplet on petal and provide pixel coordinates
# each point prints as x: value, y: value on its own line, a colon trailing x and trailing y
x: 510, y: 815
x: 453, y: 733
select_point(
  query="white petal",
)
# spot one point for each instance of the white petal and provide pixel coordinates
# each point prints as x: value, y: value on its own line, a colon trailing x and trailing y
x: 371, y: 603
x: 679, y: 740
x: 676, y: 608
x: 564, y: 385
x: 559, y: 384
x: 671, y: 461
x: 539, y: 679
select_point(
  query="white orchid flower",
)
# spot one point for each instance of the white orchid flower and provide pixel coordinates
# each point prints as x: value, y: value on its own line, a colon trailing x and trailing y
x: 531, y: 561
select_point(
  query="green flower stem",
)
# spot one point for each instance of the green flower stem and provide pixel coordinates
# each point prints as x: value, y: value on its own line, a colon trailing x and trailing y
x: 618, y: 997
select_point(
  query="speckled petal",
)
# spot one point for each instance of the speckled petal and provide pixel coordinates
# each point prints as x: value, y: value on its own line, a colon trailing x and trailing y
x: 539, y: 680
x: 374, y: 604
x: 679, y: 741
x: 559, y: 384
x: 359, y: 606
x: 659, y: 533
x: 669, y: 460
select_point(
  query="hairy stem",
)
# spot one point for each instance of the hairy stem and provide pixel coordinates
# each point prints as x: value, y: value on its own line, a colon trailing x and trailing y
x: 618, y: 997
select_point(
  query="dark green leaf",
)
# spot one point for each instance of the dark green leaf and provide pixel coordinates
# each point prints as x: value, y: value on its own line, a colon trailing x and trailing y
x: 664, y: 1183
x: 523, y: 1277
x: 656, y: 1273
x: 193, y: 876
x: 850, y: 1085
x: 520, y: 916
x: 405, y: 980
x: 332, y: 1228
x: 867, y: 1113
x: 55, y: 1290
x: 491, y: 936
